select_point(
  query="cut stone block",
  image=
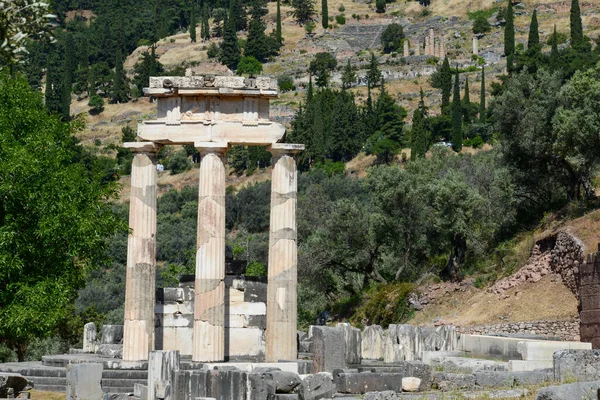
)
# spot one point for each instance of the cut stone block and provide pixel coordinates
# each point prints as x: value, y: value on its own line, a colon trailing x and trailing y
x: 84, y: 381
x: 411, y: 384
x: 579, y: 390
x: 360, y: 383
x: 373, y: 342
x: 579, y: 365
x: 316, y: 387
x: 353, y: 343
x: 543, y: 350
x: 328, y: 349
x: 521, y: 365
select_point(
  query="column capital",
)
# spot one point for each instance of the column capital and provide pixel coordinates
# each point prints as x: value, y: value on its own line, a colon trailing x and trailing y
x: 143, y: 147
x: 285, y: 149
x: 219, y: 148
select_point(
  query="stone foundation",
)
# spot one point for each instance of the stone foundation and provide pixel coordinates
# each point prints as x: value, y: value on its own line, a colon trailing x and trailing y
x: 564, y: 330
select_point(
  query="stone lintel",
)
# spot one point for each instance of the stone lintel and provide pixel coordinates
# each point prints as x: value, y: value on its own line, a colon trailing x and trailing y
x: 142, y: 147
x: 160, y: 92
x: 281, y: 149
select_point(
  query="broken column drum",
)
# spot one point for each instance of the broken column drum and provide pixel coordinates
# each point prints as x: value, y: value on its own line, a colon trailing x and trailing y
x: 212, y: 113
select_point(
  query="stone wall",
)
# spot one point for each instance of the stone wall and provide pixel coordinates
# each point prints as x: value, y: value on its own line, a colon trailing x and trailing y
x: 565, y: 330
x: 589, y: 300
x: 245, y: 318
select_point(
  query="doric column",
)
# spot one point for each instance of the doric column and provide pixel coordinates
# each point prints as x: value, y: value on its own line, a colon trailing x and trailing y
x: 431, y: 41
x: 209, y: 302
x: 283, y: 260
x: 475, y: 45
x: 406, y: 53
x: 138, y: 335
x: 427, y: 53
x: 443, y: 46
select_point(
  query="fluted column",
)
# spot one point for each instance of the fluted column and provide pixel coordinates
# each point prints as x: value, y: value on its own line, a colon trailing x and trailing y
x: 283, y: 260
x: 209, y: 305
x: 138, y: 335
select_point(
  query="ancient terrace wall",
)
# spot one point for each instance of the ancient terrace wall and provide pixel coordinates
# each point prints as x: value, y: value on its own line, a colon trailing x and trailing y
x: 211, y: 113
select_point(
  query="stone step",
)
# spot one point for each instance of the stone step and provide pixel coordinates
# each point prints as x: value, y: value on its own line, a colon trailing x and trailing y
x: 112, y: 389
x: 47, y: 380
x: 51, y: 388
x: 126, y: 383
x: 124, y: 374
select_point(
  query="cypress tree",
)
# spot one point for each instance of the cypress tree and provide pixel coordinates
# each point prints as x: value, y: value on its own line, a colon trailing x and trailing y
x: 238, y: 13
x: 324, y: 14
x: 446, y: 84
x: 230, y: 51
x: 509, y: 36
x: 467, y: 104
x: 154, y: 66
x: 482, y: 115
x: 374, y: 73
x: 204, y: 27
x: 533, y: 41
x: 278, y: 33
x: 554, y: 44
x: 120, y: 92
x: 309, y: 93
x: 257, y: 43
x: 193, y: 24
x: 576, y: 25
x: 54, y: 83
x: 457, y: 134
x: 348, y: 76
x: 419, y: 135
x: 69, y: 68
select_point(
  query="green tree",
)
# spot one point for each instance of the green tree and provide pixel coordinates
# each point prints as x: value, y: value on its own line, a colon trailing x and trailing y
x: 348, y: 75
x: 204, y: 25
x: 482, y: 112
x: 576, y: 24
x: 230, y: 51
x: 48, y: 246
x: 304, y: 11
x: 310, y: 90
x: 278, y: 33
x: 147, y: 66
x: 238, y: 13
x: 258, y: 44
x: 419, y: 133
x: 445, y: 84
x: 120, y: 86
x: 321, y: 66
x: 54, y: 82
x: 324, y: 14
x: 457, y: 114
x: 249, y: 66
x: 533, y: 41
x: 392, y: 37
x: 380, y: 6
x: 467, y: 106
x: 373, y: 73
x: 509, y: 34
x: 481, y: 25
x: 193, y: 24
x: 97, y: 104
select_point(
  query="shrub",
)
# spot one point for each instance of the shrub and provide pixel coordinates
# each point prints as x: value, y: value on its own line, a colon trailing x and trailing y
x: 476, y: 142
x: 144, y: 42
x: 392, y: 37
x: 425, y: 13
x: 481, y: 25
x: 213, y: 50
x: 249, y: 66
x: 384, y: 305
x: 380, y: 6
x: 561, y: 37
x: 331, y: 168
x: 97, y: 104
x: 286, y: 83
x: 341, y: 8
x: 309, y: 27
x: 178, y: 162
x: 340, y: 19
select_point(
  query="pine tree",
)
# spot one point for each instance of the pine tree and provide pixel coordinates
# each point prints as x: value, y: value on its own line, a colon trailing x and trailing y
x: 533, y: 41
x: 310, y: 92
x: 419, y: 134
x: 482, y: 114
x: 204, y: 26
x: 119, y: 92
x: 155, y: 66
x: 230, y: 50
x: 257, y: 44
x: 576, y: 25
x: 304, y: 10
x: 193, y: 24
x: 446, y: 84
x: 238, y: 13
x: 348, y: 76
x: 457, y: 134
x: 373, y: 73
x: 467, y: 104
x: 554, y: 44
x: 278, y: 33
x: 509, y: 35
x: 324, y: 14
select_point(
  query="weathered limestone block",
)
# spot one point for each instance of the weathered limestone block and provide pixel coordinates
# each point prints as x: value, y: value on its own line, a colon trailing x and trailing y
x: 394, y: 352
x: 285, y: 382
x: 84, y: 381
x: 282, y: 306
x: 440, y: 338
x: 360, y: 383
x: 90, y: 335
x: 209, y: 304
x: 475, y: 46
x: 411, y: 384
x: 316, y: 387
x: 12, y: 381
x: 112, y: 334
x: 138, y: 332
x: 260, y: 387
x: 387, y: 395
x: 579, y: 390
x: 373, y: 342
x: 406, y: 338
x: 328, y: 349
x: 447, y: 381
x: 353, y: 343
x: 492, y: 379
x: 161, y: 370
x: 580, y: 365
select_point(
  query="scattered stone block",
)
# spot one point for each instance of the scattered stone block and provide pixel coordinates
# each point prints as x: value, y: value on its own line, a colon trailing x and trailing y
x: 373, y: 342
x: 527, y: 378
x: 522, y: 365
x: 286, y: 396
x: 447, y: 381
x: 317, y: 386
x: 580, y: 365
x: 411, y: 384
x: 578, y: 390
x: 360, y: 383
x: 440, y: 338
x: 140, y: 391
x: 285, y: 382
x: 12, y: 381
x: 415, y: 369
x: 544, y: 350
x: 260, y: 386
x: 353, y: 343
x: 84, y: 381
x: 90, y: 335
x: 495, y: 379
x: 111, y: 350
x: 406, y: 339
x: 387, y: 395
x: 328, y: 349
x: 161, y: 367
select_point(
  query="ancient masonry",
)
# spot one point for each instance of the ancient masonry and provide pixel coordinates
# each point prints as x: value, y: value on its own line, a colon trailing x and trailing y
x: 589, y: 299
x: 212, y: 113
x: 433, y: 47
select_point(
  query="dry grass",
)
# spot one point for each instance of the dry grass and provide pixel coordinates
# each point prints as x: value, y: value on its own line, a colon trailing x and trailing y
x: 39, y: 395
x: 546, y: 299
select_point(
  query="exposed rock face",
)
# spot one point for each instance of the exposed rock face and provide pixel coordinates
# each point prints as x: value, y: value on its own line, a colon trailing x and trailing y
x: 566, y: 257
